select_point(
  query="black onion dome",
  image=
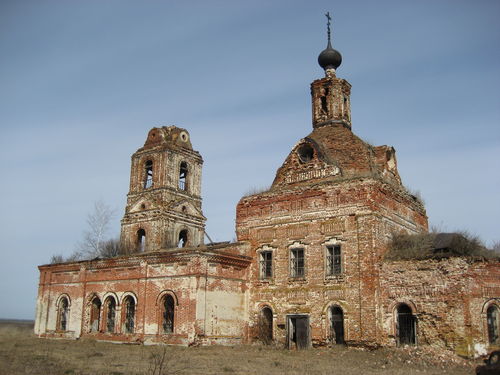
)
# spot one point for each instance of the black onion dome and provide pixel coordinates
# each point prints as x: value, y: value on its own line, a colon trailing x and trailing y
x: 329, y: 58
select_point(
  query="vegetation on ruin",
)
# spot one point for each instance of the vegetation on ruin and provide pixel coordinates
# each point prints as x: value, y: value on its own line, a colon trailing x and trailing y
x: 434, y: 245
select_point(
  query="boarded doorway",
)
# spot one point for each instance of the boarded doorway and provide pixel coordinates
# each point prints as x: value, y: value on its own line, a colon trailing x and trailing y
x: 406, y: 325
x: 298, y: 331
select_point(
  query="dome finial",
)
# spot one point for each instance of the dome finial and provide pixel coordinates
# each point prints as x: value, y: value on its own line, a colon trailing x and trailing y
x: 327, y: 15
x: 329, y: 59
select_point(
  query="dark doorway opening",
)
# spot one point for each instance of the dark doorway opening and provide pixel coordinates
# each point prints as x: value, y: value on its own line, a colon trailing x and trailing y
x: 406, y: 325
x: 298, y: 332
x: 337, y: 325
x: 266, y: 325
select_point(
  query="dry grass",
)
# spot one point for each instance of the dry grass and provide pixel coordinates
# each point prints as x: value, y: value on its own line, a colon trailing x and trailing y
x: 22, y: 353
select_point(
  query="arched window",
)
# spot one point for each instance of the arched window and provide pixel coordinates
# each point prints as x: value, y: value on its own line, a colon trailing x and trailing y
x: 265, y: 325
x: 168, y: 306
x: 492, y: 321
x: 337, y: 325
x: 110, y: 314
x: 63, y: 314
x: 129, y: 311
x: 141, y: 240
x: 148, y: 174
x: 183, y: 172
x: 183, y: 238
x: 406, y: 325
x: 95, y: 314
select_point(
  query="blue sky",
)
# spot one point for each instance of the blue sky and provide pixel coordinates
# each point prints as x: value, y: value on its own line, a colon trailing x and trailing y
x: 82, y: 82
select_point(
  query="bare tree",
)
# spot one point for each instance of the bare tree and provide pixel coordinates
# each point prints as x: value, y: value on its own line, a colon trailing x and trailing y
x: 496, y: 247
x: 94, y: 238
x: 56, y: 258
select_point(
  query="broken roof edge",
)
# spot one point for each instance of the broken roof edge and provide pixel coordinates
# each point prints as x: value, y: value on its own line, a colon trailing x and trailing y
x: 203, y: 250
x: 401, y: 189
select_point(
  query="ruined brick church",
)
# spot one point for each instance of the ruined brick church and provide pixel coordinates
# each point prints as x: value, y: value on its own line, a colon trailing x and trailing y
x: 307, y: 268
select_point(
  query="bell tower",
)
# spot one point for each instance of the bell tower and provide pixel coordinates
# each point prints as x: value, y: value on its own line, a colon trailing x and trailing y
x: 331, y: 102
x: 164, y: 200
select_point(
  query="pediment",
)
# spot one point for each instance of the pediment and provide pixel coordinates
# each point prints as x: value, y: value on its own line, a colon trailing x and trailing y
x: 144, y: 203
x: 186, y: 207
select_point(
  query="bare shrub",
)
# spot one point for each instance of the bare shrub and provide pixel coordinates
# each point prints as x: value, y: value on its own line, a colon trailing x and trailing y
x: 57, y: 258
x: 416, y: 194
x: 410, y: 246
x: 436, y: 245
x: 162, y: 362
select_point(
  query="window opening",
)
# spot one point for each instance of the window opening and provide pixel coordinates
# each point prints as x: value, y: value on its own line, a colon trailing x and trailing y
x: 305, y: 153
x: 266, y: 264
x: 323, y: 98
x: 183, y: 238
x: 297, y: 262
x: 63, y: 314
x: 141, y: 240
x: 333, y: 260
x: 492, y: 321
x: 110, y: 314
x: 337, y: 325
x: 95, y: 314
x: 266, y: 325
x: 129, y: 314
x: 148, y: 179
x: 168, y: 314
x: 406, y: 325
x: 183, y: 171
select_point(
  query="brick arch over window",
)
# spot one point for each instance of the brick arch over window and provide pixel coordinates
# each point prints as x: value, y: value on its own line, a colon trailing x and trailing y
x: 167, y: 304
x: 63, y: 304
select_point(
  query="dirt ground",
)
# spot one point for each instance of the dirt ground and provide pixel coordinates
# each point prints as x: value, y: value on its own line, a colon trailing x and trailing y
x: 23, y: 353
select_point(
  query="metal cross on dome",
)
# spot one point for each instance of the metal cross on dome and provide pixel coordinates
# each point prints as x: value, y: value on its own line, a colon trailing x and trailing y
x: 328, y: 24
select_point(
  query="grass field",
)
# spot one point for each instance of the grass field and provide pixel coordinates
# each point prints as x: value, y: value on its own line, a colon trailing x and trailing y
x: 23, y: 353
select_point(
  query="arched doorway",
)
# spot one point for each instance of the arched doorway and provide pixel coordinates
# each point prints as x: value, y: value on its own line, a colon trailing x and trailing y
x: 492, y: 321
x: 406, y: 325
x: 337, y: 325
x: 265, y: 325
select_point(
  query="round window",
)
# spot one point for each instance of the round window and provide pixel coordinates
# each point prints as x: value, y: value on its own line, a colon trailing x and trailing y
x: 305, y: 153
x: 184, y: 136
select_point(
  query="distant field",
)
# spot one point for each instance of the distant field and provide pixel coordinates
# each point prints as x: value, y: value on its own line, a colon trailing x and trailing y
x: 22, y: 353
